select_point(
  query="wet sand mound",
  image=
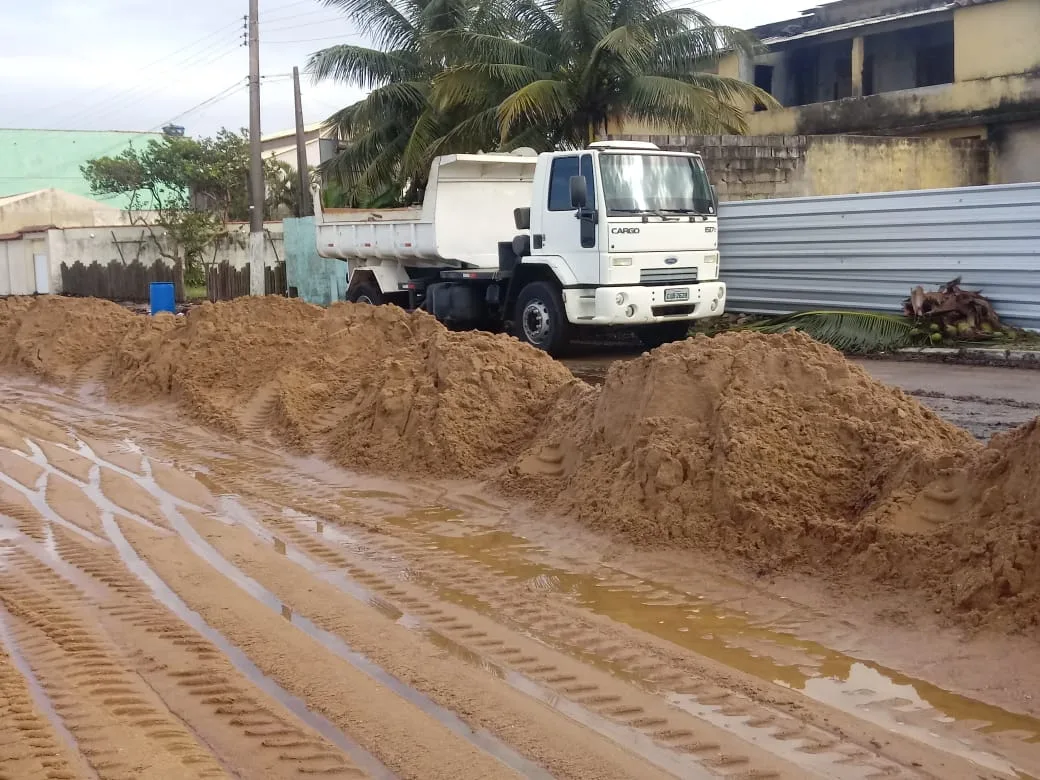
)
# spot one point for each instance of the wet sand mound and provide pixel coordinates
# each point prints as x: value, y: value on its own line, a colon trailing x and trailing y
x: 978, y: 520
x: 772, y: 447
x: 372, y: 387
x: 57, y: 338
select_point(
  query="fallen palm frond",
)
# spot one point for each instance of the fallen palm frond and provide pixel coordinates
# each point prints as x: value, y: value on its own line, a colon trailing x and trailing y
x: 965, y: 315
x: 850, y: 331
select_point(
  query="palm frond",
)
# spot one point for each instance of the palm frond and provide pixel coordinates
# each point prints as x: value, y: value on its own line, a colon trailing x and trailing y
x: 479, y: 131
x: 485, y: 48
x: 545, y: 101
x: 858, y: 332
x: 381, y: 20
x: 677, y: 104
x: 472, y: 85
x: 361, y: 66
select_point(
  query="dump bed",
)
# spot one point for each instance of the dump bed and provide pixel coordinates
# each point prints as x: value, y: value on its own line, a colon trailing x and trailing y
x: 467, y: 209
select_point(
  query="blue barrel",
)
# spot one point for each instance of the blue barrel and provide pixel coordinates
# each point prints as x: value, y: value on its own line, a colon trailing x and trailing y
x: 162, y: 298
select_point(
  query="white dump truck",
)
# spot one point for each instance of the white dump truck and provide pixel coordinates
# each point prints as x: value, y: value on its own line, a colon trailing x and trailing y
x: 621, y: 234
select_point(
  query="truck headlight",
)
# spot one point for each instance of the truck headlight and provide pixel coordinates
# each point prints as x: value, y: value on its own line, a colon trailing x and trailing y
x: 713, y: 258
x: 615, y: 260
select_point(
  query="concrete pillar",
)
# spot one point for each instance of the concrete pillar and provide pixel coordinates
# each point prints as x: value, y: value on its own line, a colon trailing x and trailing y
x: 857, y: 66
x: 256, y: 264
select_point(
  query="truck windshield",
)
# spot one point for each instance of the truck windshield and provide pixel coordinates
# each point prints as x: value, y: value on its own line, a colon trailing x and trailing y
x: 650, y: 183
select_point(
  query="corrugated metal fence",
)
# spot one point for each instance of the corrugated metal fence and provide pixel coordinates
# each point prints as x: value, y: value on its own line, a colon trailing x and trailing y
x: 867, y: 251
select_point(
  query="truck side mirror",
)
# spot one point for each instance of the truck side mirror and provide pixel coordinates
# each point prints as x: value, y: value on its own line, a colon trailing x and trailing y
x: 522, y: 218
x: 579, y: 192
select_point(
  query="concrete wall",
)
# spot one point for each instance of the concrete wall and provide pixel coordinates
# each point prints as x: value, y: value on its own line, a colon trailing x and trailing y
x: 58, y: 209
x: 779, y: 166
x: 126, y: 244
x: 16, y: 268
x: 997, y: 39
x: 908, y: 112
x: 103, y: 245
x: 1016, y: 153
x: 317, y: 279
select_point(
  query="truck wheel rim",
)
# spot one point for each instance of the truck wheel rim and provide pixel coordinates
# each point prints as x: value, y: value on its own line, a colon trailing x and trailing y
x: 537, y: 323
x: 365, y: 299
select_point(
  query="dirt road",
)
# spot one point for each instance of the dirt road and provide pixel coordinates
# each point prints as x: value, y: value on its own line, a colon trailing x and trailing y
x: 178, y: 604
x: 982, y: 400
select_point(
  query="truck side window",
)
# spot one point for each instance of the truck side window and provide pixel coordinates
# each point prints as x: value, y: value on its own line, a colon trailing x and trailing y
x: 560, y: 181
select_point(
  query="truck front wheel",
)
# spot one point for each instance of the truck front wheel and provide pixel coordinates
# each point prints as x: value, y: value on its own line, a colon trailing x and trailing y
x: 540, y: 319
x: 366, y: 292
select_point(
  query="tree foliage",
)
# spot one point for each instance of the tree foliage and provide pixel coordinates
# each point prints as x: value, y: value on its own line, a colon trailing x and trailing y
x: 469, y: 75
x: 191, y: 188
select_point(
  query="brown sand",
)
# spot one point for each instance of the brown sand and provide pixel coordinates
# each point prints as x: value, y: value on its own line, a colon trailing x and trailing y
x: 58, y: 337
x: 771, y: 448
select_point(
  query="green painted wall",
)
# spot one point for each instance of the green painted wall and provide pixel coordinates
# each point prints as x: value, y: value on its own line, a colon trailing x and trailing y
x: 39, y: 159
x: 316, y: 279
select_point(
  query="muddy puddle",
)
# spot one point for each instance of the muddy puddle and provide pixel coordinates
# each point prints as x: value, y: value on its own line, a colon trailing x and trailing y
x: 892, y: 700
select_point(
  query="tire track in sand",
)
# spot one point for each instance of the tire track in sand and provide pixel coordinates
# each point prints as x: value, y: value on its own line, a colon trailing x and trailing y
x: 239, y: 722
x: 572, y: 742
x: 31, y: 747
x: 402, y: 736
x: 122, y: 727
x: 650, y: 664
x: 606, y: 689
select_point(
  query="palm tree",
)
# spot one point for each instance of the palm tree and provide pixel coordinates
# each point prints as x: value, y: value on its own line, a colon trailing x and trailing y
x: 565, y: 71
x: 392, y: 134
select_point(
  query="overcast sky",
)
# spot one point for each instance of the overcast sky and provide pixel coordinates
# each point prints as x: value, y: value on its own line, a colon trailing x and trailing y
x: 135, y: 65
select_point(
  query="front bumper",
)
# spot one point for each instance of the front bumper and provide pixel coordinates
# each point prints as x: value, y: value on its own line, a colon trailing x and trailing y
x: 642, y: 305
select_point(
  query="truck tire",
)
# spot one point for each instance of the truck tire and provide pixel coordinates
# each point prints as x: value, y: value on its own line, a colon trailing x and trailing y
x: 654, y: 336
x: 540, y: 319
x: 366, y: 292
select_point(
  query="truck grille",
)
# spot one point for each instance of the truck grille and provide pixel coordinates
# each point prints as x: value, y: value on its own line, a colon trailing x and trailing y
x: 668, y: 276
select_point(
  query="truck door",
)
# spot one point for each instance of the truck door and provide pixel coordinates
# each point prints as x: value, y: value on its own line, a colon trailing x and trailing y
x: 561, y: 229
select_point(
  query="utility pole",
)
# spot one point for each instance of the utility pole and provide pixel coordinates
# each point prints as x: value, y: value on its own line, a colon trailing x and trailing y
x: 301, y: 150
x: 257, y: 189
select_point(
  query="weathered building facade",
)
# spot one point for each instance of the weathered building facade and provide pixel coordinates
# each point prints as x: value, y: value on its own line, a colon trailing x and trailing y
x: 933, y: 68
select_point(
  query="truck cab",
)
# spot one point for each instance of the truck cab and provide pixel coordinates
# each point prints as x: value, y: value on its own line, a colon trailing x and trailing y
x: 621, y: 234
x: 631, y: 234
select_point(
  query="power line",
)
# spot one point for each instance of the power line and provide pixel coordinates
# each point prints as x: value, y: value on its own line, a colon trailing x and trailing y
x: 213, y: 33
x: 137, y: 90
x: 312, y: 23
x: 342, y: 38
x: 268, y: 18
x: 225, y: 93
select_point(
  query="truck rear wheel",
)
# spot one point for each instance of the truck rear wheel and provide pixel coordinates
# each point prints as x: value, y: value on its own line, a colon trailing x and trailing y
x: 366, y: 292
x: 540, y: 319
x: 654, y: 336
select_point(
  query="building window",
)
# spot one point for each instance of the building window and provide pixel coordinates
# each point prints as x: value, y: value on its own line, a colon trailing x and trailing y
x: 935, y: 65
x: 764, y: 81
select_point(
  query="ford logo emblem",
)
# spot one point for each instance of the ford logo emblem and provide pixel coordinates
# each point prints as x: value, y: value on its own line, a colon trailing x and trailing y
x: 671, y: 260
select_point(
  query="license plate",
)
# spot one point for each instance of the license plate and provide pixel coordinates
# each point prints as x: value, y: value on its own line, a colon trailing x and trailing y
x: 676, y: 294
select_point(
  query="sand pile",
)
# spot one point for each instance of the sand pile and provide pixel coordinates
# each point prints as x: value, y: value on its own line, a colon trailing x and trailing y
x: 974, y: 531
x: 60, y: 338
x: 772, y: 447
x: 372, y: 387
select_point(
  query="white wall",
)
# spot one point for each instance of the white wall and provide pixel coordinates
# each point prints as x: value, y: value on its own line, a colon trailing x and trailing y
x: 126, y: 244
x: 16, y: 271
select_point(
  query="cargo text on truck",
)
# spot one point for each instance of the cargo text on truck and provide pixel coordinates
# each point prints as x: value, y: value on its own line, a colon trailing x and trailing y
x: 621, y: 234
